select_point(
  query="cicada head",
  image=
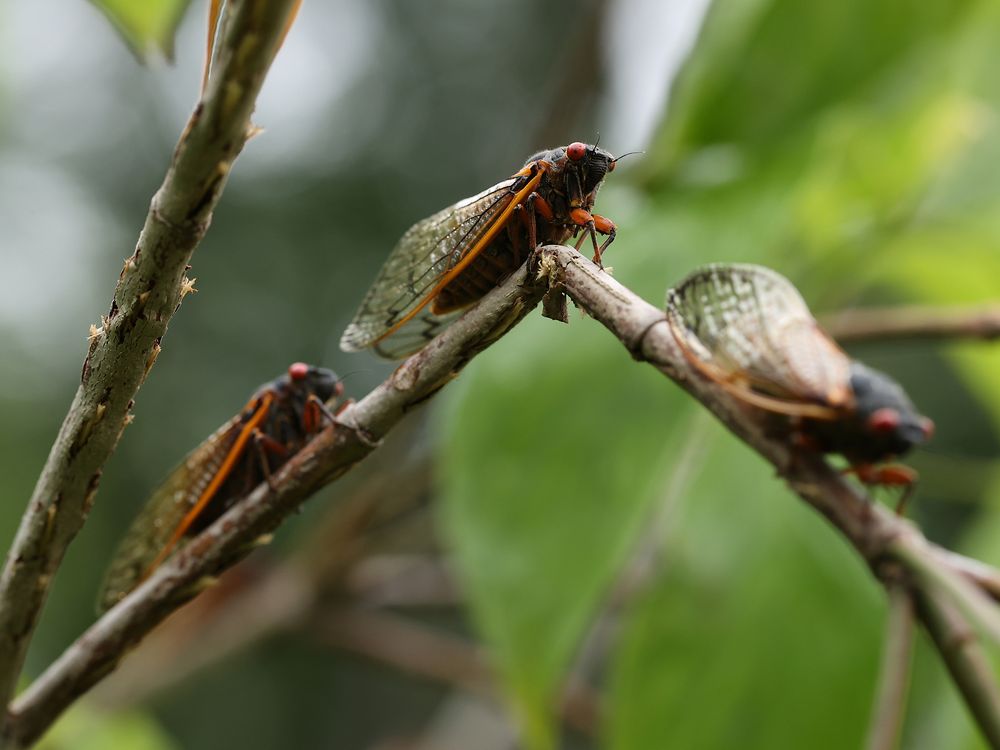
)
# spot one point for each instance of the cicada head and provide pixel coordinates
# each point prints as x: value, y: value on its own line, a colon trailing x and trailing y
x: 319, y: 381
x: 885, y: 415
x: 591, y: 163
x: 579, y: 166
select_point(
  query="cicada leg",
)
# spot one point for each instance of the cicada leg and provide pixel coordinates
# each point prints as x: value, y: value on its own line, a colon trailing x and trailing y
x: 264, y: 445
x: 535, y: 206
x: 592, y: 224
x: 891, y: 475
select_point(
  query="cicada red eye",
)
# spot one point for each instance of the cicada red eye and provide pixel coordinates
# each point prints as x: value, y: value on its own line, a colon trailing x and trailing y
x: 298, y: 370
x: 884, y: 420
x: 576, y: 151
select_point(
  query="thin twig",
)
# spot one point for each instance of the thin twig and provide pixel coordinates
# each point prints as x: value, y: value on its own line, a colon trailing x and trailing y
x: 437, y: 656
x: 645, y: 561
x: 970, y: 600
x: 966, y: 661
x: 983, y: 575
x: 914, y: 322
x: 890, y: 699
x: 124, y: 348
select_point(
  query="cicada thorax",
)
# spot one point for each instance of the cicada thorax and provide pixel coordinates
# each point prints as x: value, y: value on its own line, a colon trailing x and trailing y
x: 544, y: 217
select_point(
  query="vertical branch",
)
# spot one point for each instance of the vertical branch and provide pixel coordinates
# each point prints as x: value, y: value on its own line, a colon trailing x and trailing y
x: 890, y: 700
x: 125, y: 346
x: 966, y: 661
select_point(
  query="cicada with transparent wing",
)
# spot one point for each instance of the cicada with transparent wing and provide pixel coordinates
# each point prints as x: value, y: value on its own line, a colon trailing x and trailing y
x: 448, y: 261
x: 747, y: 329
x: 280, y: 418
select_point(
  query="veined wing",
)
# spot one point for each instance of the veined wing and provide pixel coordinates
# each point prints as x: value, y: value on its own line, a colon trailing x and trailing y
x: 745, y: 324
x: 153, y: 528
x: 410, y: 277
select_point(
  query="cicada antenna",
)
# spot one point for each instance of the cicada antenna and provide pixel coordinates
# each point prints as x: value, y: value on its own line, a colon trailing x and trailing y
x: 627, y: 153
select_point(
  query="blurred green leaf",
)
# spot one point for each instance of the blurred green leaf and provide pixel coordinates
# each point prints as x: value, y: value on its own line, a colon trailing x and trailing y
x: 765, y: 68
x: 555, y: 447
x: 763, y: 631
x: 145, y: 25
x: 82, y: 728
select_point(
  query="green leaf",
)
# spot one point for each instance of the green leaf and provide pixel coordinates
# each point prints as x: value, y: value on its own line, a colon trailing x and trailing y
x: 762, y: 633
x: 765, y: 68
x: 145, y: 25
x: 556, y: 443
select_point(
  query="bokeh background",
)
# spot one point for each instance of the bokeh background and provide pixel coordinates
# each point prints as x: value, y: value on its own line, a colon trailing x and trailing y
x: 853, y: 146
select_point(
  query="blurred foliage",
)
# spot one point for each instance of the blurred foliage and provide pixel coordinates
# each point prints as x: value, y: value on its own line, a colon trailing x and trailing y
x: 147, y: 25
x: 851, y: 146
x: 831, y: 143
x: 85, y: 729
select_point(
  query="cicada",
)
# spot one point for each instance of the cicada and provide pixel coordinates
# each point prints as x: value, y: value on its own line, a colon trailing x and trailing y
x: 280, y: 418
x: 748, y: 329
x: 446, y: 262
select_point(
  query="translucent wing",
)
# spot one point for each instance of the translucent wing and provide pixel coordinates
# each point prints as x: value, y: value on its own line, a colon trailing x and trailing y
x: 428, y: 250
x: 747, y: 326
x: 155, y: 524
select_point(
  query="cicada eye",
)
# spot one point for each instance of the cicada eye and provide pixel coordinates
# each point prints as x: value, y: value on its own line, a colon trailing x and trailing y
x: 576, y: 151
x: 884, y: 420
x: 298, y: 371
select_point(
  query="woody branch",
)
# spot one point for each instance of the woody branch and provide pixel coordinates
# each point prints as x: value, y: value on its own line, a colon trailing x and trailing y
x: 124, y: 346
x: 895, y: 550
x: 917, y: 322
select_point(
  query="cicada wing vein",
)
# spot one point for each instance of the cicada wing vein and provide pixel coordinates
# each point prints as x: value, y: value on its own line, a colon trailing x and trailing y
x: 177, y: 503
x: 258, y: 412
x: 430, y: 255
x: 749, y: 330
x: 152, y: 528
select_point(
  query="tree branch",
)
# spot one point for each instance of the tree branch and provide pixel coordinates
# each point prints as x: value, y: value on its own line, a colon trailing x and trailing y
x: 125, y: 346
x: 966, y: 661
x: 914, y: 322
x: 332, y: 453
x: 890, y: 700
x: 874, y: 531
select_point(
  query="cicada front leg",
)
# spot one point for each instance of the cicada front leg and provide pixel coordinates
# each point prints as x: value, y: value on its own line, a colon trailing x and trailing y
x: 890, y: 475
x: 592, y: 224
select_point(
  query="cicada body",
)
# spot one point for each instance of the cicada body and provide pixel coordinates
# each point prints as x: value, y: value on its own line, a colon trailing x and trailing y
x: 748, y: 329
x: 450, y: 260
x: 280, y: 418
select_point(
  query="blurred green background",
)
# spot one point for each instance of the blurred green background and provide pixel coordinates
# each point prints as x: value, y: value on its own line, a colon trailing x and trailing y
x: 853, y: 146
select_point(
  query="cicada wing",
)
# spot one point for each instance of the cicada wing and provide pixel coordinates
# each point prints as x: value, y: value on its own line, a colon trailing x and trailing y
x: 423, y: 255
x: 153, y: 527
x: 413, y: 335
x: 748, y: 325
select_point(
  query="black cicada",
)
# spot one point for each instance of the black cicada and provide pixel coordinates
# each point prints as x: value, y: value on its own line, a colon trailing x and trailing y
x: 748, y: 329
x: 450, y: 260
x: 280, y: 418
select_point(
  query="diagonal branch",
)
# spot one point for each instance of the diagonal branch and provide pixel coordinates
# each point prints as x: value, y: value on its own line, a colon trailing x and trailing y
x: 873, y: 531
x: 334, y: 451
x: 124, y: 348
